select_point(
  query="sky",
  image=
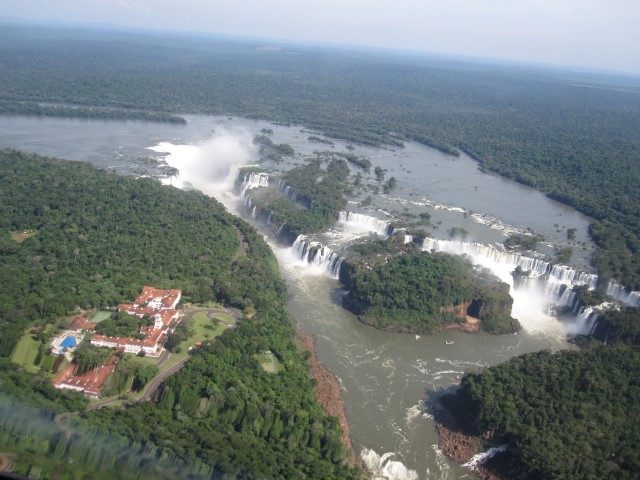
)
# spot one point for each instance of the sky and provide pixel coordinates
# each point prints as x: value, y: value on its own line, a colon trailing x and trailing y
x: 596, y: 34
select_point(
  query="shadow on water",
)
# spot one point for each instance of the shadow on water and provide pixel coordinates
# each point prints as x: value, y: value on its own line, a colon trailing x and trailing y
x: 336, y: 295
x: 432, y: 402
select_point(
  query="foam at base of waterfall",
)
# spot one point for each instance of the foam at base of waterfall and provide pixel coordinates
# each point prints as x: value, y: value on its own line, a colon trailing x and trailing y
x: 529, y: 304
x: 385, y: 468
x: 480, y: 458
x: 317, y: 258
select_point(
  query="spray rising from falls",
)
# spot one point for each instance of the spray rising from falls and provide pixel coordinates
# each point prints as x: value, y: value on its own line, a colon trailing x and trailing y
x: 384, y: 467
x: 585, y: 323
x: 319, y: 258
x: 545, y: 284
x: 211, y: 165
x: 365, y: 223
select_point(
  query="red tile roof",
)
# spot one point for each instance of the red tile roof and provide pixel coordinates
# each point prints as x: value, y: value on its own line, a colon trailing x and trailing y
x: 82, y: 323
x: 153, y: 335
x: 90, y: 382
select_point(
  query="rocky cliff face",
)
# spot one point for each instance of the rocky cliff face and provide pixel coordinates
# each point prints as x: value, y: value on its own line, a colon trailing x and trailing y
x: 459, y: 311
x: 492, y: 305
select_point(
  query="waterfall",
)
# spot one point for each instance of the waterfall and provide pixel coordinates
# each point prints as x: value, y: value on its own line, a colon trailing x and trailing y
x: 623, y: 295
x: 568, y: 297
x: 254, y: 180
x: 320, y: 258
x: 585, y: 322
x: 384, y: 467
x: 545, y: 285
x: 552, y: 275
x: 366, y: 223
x: 569, y: 276
x: 269, y: 219
x: 287, y: 190
x: 501, y: 262
x: 480, y: 458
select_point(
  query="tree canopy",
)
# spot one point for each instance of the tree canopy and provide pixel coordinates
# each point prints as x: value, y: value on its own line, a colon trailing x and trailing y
x: 546, y: 129
x: 419, y: 292
x: 571, y: 414
x: 97, y: 238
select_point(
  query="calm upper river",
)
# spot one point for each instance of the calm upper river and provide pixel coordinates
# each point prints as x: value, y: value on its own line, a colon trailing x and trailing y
x: 386, y: 377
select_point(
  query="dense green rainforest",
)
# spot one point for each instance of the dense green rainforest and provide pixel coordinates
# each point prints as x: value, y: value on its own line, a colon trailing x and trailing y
x: 93, y: 239
x: 98, y: 238
x: 571, y: 135
x: 572, y: 414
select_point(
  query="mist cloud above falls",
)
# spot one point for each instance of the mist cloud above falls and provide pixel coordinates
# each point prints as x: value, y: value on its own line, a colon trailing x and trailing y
x: 210, y: 165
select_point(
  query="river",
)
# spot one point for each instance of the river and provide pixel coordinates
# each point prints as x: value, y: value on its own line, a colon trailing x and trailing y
x: 389, y: 381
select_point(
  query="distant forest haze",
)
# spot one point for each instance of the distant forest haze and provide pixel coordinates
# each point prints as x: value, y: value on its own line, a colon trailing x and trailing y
x: 573, y: 136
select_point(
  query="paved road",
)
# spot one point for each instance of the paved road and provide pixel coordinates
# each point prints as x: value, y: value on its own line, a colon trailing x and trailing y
x: 155, y: 383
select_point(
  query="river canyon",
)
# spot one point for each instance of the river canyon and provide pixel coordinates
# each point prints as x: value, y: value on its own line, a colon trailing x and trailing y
x: 390, y: 382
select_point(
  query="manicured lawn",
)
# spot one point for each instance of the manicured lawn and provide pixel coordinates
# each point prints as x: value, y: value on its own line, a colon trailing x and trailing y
x: 101, y: 316
x: 25, y: 352
x: 225, y: 318
x: 203, y: 329
x: 268, y: 361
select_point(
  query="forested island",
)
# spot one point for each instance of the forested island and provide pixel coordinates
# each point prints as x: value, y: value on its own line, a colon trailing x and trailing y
x: 421, y: 292
x: 306, y: 200
x: 75, y: 236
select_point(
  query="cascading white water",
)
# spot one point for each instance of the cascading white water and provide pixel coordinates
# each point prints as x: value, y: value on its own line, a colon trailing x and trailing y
x: 617, y: 291
x: 585, y: 322
x: 553, y: 275
x: 254, y: 180
x: 319, y: 258
x: 487, y: 256
x: 480, y: 458
x: 365, y: 223
x: 569, y: 276
x: 547, y: 284
x: 384, y: 467
x: 567, y: 297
